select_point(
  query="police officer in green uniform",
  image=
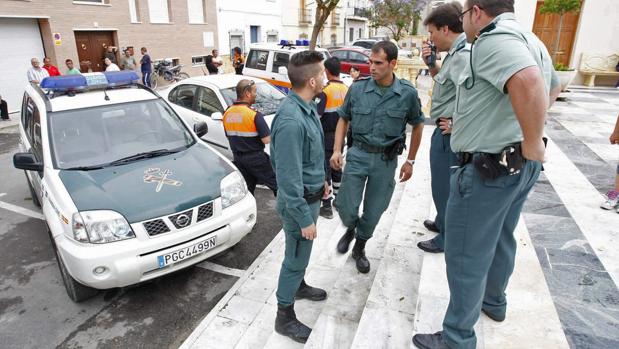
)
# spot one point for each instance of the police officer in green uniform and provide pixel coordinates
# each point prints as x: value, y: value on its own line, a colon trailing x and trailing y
x: 446, y: 33
x: 378, y: 109
x: 501, y: 102
x: 297, y: 155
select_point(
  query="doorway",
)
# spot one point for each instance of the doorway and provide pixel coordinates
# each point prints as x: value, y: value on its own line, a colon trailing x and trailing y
x: 91, y: 48
x: 545, y: 27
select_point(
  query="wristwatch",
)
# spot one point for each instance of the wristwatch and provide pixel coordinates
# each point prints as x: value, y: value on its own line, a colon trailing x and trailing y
x: 411, y: 162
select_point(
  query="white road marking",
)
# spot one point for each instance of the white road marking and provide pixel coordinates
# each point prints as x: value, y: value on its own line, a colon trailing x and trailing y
x: 20, y: 210
x: 221, y: 269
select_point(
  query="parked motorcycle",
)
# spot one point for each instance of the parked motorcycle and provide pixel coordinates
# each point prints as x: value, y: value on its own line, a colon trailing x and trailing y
x: 168, y: 72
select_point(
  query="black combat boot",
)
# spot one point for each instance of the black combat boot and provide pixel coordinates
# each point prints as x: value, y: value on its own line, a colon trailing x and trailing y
x: 358, y: 254
x: 286, y: 324
x: 306, y: 291
x: 342, y: 245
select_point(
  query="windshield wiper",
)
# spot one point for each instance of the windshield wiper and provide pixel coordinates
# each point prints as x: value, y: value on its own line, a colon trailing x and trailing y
x: 85, y: 168
x: 140, y: 156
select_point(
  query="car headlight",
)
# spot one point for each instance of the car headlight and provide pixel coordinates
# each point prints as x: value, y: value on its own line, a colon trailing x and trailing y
x: 99, y: 227
x: 233, y: 189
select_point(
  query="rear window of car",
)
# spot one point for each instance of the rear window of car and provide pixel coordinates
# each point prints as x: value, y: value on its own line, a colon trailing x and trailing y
x: 257, y: 59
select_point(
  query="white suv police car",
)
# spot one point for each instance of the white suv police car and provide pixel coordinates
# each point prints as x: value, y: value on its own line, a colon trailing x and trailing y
x: 128, y: 192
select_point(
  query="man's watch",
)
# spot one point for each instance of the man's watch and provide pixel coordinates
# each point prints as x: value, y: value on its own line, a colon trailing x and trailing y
x: 411, y: 162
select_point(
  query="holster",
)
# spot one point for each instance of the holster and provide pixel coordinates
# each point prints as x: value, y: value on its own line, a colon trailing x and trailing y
x: 392, y: 151
x: 508, y: 162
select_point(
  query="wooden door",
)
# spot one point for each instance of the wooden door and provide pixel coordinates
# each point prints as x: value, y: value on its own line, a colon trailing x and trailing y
x: 91, y: 48
x: 545, y: 27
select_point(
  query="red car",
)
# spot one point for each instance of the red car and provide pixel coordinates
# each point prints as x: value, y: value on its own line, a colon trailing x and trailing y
x: 356, y: 56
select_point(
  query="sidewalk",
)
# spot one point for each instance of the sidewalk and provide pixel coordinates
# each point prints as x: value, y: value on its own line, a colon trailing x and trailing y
x: 560, y: 295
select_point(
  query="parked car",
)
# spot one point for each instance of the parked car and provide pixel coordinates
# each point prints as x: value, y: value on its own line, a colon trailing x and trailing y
x: 270, y: 63
x: 128, y: 192
x: 356, y: 56
x: 205, y: 99
x: 368, y: 43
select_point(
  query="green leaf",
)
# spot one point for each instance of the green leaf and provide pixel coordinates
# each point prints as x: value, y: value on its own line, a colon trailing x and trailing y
x: 560, y: 7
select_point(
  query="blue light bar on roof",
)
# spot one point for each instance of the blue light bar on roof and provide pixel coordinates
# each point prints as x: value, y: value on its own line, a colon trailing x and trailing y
x: 67, y: 82
x: 118, y: 78
x: 90, y: 81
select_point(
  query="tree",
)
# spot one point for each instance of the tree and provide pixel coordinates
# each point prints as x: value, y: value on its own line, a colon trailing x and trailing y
x: 560, y: 7
x: 323, y: 10
x: 395, y: 15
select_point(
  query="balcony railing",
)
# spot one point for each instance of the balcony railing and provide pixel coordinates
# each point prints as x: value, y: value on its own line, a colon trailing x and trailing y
x: 305, y: 17
x: 335, y: 18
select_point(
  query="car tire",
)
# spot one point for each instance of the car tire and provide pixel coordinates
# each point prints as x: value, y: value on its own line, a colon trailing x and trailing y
x: 76, y: 291
x: 35, y: 198
x: 182, y: 76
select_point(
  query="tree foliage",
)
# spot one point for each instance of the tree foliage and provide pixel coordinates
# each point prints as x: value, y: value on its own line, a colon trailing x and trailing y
x: 560, y: 7
x: 399, y: 16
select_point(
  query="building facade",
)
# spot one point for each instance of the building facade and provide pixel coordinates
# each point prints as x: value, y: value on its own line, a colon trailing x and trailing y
x: 243, y: 22
x: 298, y: 17
x: 184, y: 30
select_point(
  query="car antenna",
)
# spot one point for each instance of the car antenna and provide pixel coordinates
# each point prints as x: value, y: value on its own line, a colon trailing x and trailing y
x: 107, y: 98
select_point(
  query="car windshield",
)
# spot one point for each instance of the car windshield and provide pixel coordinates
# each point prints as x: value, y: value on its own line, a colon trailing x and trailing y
x: 96, y: 137
x: 267, y: 100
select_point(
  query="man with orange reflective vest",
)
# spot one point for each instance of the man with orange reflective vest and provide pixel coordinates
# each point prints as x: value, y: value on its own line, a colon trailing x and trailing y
x: 331, y: 98
x: 247, y: 133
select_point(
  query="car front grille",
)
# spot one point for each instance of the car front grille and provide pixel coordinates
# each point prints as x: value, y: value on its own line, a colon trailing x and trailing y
x: 205, y: 212
x: 156, y: 227
x: 179, y: 220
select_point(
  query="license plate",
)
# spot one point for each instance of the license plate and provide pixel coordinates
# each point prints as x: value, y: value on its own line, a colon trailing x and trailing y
x: 187, y: 252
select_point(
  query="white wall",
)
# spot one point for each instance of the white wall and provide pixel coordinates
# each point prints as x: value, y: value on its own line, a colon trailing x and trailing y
x: 239, y: 15
x: 292, y: 29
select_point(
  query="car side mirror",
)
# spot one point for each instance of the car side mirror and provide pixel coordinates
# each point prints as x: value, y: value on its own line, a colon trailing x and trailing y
x: 282, y: 71
x: 27, y: 161
x: 200, y: 128
x: 217, y: 116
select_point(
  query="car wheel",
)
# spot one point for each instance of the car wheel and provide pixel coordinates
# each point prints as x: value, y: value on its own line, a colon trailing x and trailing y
x: 76, y: 291
x: 35, y: 198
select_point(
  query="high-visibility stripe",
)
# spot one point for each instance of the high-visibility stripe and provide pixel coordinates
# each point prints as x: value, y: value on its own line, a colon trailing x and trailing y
x: 331, y: 110
x: 241, y: 134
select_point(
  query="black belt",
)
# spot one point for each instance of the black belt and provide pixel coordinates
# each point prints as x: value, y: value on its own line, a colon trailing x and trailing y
x: 490, y: 166
x: 311, y: 198
x: 369, y: 148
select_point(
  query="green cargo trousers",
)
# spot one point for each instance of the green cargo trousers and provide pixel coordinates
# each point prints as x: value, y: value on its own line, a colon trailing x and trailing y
x: 296, y: 256
x: 370, y: 173
x: 480, y: 247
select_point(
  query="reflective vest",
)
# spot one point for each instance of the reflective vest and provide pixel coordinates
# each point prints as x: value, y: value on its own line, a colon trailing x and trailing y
x: 335, y: 93
x: 239, y: 121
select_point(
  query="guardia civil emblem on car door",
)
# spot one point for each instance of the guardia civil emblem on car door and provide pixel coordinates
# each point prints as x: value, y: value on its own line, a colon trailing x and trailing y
x: 156, y: 175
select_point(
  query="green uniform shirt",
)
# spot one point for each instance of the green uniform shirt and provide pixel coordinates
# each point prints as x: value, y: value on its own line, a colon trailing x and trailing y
x: 379, y: 119
x: 297, y: 155
x: 72, y: 72
x: 484, y: 120
x: 444, y: 90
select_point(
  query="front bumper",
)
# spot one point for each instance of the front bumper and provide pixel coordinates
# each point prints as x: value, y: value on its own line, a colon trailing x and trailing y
x: 136, y: 260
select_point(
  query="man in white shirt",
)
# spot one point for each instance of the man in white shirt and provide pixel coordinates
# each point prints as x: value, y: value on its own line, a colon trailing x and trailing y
x: 218, y: 62
x: 110, y: 65
x: 36, y: 73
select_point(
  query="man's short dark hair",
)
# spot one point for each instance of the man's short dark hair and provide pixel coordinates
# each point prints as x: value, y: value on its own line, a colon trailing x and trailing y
x: 446, y: 15
x: 493, y: 7
x: 68, y: 60
x: 303, y: 66
x: 332, y: 65
x: 390, y: 49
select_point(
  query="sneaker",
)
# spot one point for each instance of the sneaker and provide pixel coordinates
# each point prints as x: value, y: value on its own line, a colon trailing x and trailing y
x: 612, y: 200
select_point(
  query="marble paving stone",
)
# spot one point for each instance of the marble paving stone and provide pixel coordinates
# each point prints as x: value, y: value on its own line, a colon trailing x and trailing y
x: 386, y: 329
x: 606, y: 151
x: 544, y: 200
x: 222, y: 333
x: 241, y: 309
x: 582, y: 200
x: 257, y: 288
x: 556, y: 232
x: 557, y: 108
x: 254, y: 337
x: 596, y: 106
x: 332, y: 333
